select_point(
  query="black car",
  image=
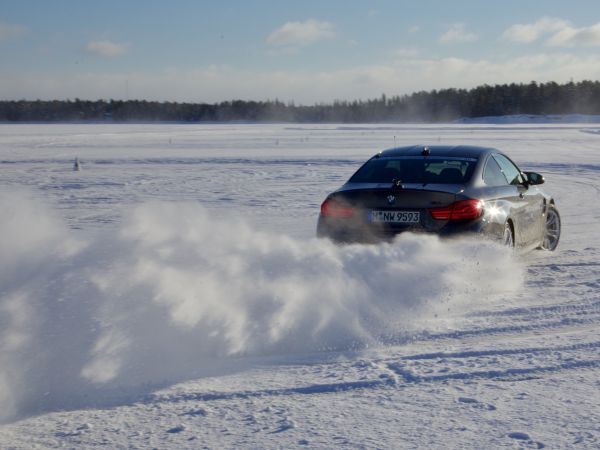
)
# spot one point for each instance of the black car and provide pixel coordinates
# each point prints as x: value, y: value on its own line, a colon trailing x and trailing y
x: 446, y: 190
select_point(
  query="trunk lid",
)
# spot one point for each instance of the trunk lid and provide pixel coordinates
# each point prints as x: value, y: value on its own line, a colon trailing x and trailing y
x: 379, y: 196
x: 385, y: 210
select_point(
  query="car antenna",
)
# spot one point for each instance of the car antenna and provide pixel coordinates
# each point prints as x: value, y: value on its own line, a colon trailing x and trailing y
x: 425, y: 152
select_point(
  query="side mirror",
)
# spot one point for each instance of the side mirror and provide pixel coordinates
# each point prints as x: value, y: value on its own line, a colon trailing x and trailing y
x: 534, y: 178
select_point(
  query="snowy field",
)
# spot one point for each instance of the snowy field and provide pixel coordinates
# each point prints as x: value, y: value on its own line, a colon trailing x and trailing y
x: 171, y: 294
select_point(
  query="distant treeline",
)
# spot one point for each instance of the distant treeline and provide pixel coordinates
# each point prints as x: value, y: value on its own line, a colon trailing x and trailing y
x: 432, y: 106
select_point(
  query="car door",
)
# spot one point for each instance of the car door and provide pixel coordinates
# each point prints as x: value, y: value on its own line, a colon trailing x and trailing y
x: 527, y: 202
x: 503, y: 197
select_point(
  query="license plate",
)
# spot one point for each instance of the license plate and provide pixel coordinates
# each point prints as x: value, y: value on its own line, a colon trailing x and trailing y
x: 395, y: 216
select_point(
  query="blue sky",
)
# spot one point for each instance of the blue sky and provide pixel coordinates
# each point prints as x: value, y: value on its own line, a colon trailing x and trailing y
x: 306, y: 52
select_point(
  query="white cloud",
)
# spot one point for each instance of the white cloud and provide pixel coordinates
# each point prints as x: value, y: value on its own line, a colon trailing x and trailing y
x: 457, y: 33
x: 216, y: 83
x: 558, y: 33
x: 298, y: 34
x: 9, y: 31
x: 530, y: 32
x: 572, y: 37
x: 407, y: 52
x: 414, y: 29
x: 106, y: 48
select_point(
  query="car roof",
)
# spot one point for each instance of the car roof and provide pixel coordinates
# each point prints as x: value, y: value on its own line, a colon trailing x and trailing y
x: 468, y: 151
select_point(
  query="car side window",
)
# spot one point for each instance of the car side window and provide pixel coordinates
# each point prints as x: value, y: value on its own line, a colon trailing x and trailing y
x: 492, y: 175
x: 510, y: 171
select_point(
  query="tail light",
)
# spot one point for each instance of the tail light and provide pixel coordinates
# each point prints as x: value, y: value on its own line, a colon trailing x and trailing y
x: 332, y: 208
x: 461, y: 210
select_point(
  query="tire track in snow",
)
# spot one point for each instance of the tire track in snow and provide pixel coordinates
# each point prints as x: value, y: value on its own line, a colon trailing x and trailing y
x: 494, y: 352
x: 520, y: 321
x: 403, y: 376
x: 517, y: 364
x: 496, y: 374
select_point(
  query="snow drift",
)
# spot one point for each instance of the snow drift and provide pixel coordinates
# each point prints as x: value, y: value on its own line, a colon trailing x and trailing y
x: 175, y: 291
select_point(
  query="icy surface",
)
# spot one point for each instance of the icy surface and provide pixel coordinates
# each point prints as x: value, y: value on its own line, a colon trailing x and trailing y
x: 170, y: 294
x: 532, y: 118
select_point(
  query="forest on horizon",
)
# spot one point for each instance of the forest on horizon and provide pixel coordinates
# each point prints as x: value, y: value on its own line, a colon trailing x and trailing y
x: 426, y: 106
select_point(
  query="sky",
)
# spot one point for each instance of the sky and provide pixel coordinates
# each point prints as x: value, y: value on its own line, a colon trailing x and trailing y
x: 303, y: 52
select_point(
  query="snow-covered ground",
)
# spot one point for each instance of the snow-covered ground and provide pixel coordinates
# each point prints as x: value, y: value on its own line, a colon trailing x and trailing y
x: 170, y: 294
x: 532, y: 119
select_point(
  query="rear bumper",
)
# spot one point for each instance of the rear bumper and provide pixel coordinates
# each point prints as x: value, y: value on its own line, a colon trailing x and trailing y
x: 344, y: 231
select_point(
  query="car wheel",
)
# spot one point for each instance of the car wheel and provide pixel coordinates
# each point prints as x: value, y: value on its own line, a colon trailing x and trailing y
x: 508, y: 237
x: 552, y: 229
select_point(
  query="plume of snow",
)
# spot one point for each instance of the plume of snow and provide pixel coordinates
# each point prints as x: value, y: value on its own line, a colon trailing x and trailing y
x: 177, y: 291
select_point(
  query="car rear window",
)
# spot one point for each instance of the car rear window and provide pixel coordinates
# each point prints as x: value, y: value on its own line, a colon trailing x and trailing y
x: 415, y: 169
